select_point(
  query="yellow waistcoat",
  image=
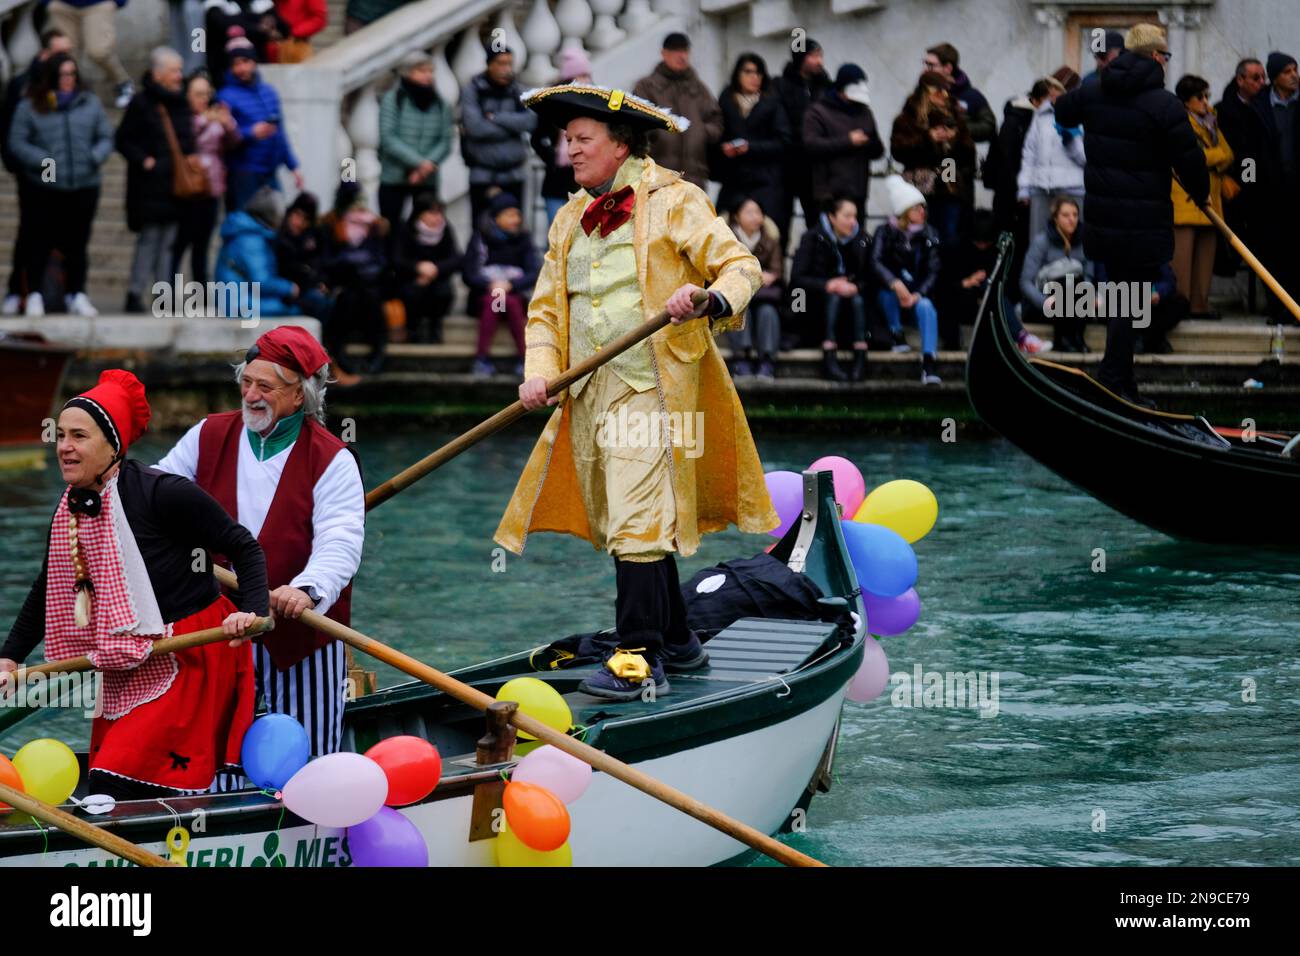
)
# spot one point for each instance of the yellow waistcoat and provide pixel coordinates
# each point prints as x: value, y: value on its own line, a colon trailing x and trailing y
x: 679, y: 239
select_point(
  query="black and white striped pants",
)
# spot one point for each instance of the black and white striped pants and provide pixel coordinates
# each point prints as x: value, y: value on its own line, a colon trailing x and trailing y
x: 311, y: 692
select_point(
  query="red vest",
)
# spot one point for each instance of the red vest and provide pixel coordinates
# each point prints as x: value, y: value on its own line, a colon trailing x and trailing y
x: 286, y: 533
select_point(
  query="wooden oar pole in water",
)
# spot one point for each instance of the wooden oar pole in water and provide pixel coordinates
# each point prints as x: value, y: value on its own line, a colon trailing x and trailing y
x: 80, y: 829
x: 512, y: 413
x: 167, y: 645
x: 1233, y: 240
x: 598, y: 759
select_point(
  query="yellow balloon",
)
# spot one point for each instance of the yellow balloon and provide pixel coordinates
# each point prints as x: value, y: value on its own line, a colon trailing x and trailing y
x: 538, y: 700
x: 49, y: 770
x: 905, y: 506
x: 512, y: 851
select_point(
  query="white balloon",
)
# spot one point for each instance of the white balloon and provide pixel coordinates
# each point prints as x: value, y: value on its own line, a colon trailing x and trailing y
x: 563, y: 774
x: 337, y: 790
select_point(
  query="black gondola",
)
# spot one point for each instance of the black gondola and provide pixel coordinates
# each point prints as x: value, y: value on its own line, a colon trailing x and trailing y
x: 1175, y: 473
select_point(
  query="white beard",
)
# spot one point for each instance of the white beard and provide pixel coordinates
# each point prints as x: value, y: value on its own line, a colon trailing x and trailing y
x: 259, y: 419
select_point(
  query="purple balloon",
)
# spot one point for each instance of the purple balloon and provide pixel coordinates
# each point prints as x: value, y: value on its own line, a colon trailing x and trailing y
x: 387, y: 839
x: 786, y: 491
x: 887, y: 617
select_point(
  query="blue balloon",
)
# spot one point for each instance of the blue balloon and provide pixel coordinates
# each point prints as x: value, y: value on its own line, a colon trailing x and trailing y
x: 883, y: 560
x: 275, y: 748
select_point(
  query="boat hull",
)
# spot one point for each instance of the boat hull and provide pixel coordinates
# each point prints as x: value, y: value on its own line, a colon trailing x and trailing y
x: 1161, y: 469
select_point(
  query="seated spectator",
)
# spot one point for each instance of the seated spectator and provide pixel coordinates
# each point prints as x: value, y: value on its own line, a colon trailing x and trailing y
x: 755, y: 346
x: 1051, y: 162
x: 263, y: 146
x: 61, y: 122
x: 1168, y: 308
x: 501, y: 267
x: 247, y: 256
x: 304, y: 19
x: 414, y: 136
x: 552, y: 146
x: 92, y: 27
x: 152, y: 209
x: 1053, y: 254
x: 427, y: 259
x: 1195, y: 237
x: 755, y: 135
x: 355, y: 263
x: 930, y: 141
x: 905, y: 255
x: 214, y: 133
x: 830, y: 277
x: 298, y: 245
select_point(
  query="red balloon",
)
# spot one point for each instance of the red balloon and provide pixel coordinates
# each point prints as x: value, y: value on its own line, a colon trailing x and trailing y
x: 412, y: 766
x: 536, y: 816
x: 9, y: 777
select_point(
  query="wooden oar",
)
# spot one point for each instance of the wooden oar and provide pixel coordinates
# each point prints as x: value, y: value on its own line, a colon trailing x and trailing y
x: 512, y: 413
x: 598, y: 759
x: 1274, y: 286
x: 167, y: 645
x: 80, y: 829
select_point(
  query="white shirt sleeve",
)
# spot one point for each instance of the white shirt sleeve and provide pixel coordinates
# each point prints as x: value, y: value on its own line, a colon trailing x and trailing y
x: 183, y: 459
x: 338, y: 531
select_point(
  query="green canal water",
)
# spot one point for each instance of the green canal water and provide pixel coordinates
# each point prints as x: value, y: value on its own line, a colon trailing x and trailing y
x: 1146, y: 714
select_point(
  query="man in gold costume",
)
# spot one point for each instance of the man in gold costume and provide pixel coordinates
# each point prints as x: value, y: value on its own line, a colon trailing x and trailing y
x: 652, y: 449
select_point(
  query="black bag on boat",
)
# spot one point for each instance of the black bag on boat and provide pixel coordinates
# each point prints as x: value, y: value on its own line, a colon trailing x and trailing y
x: 715, y: 598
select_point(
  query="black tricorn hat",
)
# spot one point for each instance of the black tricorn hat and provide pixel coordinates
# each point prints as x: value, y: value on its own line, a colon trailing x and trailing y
x: 558, y: 105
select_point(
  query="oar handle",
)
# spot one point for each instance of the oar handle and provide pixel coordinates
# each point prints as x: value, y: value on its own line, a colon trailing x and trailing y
x: 511, y: 413
x: 167, y: 645
x: 80, y: 829
x: 598, y: 759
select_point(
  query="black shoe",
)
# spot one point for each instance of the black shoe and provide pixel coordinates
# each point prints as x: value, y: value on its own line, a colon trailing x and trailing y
x: 1159, y: 347
x: 831, y: 367
x: 1214, y: 315
x: 929, y: 375
x: 859, y: 370
x: 134, y: 305
x: 681, y: 658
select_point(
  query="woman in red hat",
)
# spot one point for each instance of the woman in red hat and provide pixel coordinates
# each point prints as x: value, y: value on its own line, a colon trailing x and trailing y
x: 124, y: 567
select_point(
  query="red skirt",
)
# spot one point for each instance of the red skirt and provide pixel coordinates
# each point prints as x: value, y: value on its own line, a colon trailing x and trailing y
x: 181, y: 739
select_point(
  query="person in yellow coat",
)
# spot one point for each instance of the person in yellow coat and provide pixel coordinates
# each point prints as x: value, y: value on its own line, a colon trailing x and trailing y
x: 1195, y: 237
x: 652, y: 449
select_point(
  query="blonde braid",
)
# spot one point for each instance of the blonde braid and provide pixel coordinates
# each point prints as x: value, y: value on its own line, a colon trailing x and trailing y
x: 84, y: 586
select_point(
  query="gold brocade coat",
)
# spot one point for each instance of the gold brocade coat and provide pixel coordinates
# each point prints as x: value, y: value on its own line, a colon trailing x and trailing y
x: 678, y: 239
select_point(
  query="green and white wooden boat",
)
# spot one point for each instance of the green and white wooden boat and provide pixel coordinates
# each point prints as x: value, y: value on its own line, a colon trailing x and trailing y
x: 753, y: 734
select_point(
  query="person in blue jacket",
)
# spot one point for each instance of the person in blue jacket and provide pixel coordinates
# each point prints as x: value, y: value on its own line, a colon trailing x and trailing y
x: 264, y: 147
x: 247, y: 256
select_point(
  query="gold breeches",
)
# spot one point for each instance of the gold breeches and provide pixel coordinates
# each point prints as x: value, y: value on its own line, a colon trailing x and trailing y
x: 624, y: 474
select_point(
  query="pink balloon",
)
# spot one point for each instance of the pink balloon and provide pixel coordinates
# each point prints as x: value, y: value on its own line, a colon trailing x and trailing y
x: 872, y: 677
x: 786, y: 491
x: 850, y: 487
x: 563, y: 774
x: 337, y: 790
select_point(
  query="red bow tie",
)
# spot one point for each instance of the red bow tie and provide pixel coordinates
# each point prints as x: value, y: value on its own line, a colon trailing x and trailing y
x: 609, y: 211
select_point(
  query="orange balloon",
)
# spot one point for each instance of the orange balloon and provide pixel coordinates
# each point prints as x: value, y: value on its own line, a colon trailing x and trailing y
x: 9, y: 777
x: 536, y: 816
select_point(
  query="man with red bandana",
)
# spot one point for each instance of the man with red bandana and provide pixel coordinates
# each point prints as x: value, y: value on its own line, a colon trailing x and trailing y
x: 284, y: 477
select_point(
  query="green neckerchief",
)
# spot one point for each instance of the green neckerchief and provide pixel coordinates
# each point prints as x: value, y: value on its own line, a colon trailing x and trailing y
x: 282, y: 436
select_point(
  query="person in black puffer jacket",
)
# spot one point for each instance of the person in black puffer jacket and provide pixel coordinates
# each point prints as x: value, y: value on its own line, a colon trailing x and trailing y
x: 907, y: 264
x: 355, y: 263
x: 831, y: 275
x: 152, y: 209
x: 1134, y: 130
x: 427, y: 258
x: 755, y: 136
x: 801, y: 83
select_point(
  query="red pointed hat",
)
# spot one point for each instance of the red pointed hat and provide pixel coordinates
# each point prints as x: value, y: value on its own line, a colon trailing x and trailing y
x: 118, y: 405
x: 291, y: 346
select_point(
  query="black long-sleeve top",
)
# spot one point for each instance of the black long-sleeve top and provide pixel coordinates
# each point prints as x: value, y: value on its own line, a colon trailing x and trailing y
x: 170, y: 516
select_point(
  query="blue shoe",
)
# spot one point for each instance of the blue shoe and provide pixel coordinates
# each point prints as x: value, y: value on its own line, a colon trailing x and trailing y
x: 624, y: 676
x: 681, y: 658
